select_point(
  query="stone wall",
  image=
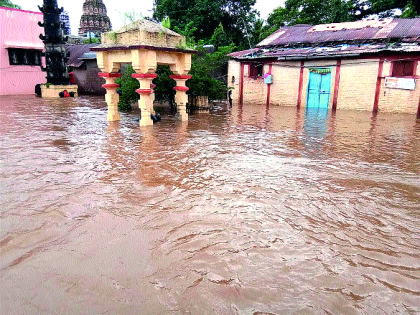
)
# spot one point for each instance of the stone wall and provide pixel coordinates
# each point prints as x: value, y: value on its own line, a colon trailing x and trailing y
x: 143, y: 38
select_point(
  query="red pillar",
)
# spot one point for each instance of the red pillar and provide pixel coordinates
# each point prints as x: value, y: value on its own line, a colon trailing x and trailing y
x: 270, y: 68
x: 146, y: 96
x: 181, y: 97
x: 111, y: 97
x: 418, y: 111
x: 299, y: 102
x: 241, y: 84
x: 337, y: 83
x: 378, y: 85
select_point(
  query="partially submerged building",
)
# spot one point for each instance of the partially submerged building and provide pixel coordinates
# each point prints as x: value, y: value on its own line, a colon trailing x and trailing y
x: 83, y: 65
x: 365, y: 65
x: 20, y: 51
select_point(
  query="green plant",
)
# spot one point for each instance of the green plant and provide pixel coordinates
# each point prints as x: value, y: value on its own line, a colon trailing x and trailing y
x: 9, y: 4
x: 128, y: 87
x: 48, y: 85
x: 164, y: 90
x: 166, y: 22
x: 95, y: 40
x: 112, y: 36
x: 131, y: 16
x: 209, y: 72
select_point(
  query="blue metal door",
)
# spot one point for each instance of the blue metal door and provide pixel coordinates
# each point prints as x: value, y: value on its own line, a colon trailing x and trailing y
x: 319, y: 90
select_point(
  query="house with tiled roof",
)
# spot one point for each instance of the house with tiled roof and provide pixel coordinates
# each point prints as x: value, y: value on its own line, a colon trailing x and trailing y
x: 366, y: 65
x: 84, y: 69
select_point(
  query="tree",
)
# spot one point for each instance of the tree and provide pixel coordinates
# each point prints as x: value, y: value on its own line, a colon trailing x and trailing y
x: 9, y: 4
x: 164, y: 90
x: 236, y: 16
x: 219, y: 38
x: 313, y: 12
x: 209, y: 72
x: 128, y: 88
x: 387, y: 8
x: 336, y: 11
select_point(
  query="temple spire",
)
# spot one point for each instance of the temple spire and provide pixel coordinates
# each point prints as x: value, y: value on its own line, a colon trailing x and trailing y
x: 94, y: 19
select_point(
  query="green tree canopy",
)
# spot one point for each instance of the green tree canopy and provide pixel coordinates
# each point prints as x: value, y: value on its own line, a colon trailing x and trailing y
x: 219, y: 37
x: 236, y: 16
x: 9, y: 4
x: 336, y: 11
x: 387, y: 8
x: 209, y: 72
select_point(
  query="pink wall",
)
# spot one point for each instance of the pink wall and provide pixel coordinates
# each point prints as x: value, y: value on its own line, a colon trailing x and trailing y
x: 19, y: 29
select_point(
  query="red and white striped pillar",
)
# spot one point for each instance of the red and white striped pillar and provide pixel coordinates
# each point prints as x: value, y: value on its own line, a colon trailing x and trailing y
x: 181, y: 97
x: 146, y: 96
x: 112, y: 98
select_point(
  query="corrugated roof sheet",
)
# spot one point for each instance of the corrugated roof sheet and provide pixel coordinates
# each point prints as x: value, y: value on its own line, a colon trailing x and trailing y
x: 338, y: 39
x: 407, y: 30
x: 323, y: 51
x: 77, y: 53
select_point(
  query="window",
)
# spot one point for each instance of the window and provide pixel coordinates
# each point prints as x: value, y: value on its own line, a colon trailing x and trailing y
x: 24, y: 57
x: 255, y: 70
x: 403, y: 68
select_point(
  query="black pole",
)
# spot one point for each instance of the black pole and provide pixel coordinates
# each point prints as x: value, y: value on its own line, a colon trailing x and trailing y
x: 55, y: 51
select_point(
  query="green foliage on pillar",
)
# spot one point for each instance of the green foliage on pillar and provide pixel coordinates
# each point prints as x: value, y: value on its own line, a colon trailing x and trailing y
x: 128, y: 87
x: 164, y: 90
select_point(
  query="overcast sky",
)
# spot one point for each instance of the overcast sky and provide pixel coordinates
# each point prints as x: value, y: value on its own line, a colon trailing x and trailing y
x: 114, y: 8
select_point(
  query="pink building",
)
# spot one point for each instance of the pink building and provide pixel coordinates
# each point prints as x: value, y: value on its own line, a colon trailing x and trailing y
x: 20, y: 51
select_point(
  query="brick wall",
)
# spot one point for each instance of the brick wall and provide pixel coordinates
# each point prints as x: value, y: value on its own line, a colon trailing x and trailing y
x: 255, y: 91
x: 285, y: 87
x: 234, y: 71
x: 396, y: 100
x: 357, y: 86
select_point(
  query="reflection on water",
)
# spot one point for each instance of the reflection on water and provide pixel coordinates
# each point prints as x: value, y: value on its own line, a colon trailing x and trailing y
x: 315, y: 126
x: 251, y: 211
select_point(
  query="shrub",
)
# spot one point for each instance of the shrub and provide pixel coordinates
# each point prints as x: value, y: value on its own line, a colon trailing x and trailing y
x: 128, y: 87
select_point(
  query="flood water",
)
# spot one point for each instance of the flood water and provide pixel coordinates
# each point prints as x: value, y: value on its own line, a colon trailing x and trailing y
x: 246, y: 211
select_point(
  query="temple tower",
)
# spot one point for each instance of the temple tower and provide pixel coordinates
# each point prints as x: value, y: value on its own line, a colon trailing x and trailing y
x: 94, y: 19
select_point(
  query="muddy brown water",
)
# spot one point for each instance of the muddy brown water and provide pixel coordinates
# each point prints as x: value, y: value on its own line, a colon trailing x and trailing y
x: 246, y: 211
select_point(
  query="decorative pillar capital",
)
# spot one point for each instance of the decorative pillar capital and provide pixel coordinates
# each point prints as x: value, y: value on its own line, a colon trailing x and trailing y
x: 109, y: 75
x: 111, y: 86
x: 180, y: 77
x: 145, y: 91
x: 181, y: 88
x: 144, y: 75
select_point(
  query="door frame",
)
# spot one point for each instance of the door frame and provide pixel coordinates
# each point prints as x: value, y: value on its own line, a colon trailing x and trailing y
x: 330, y: 69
